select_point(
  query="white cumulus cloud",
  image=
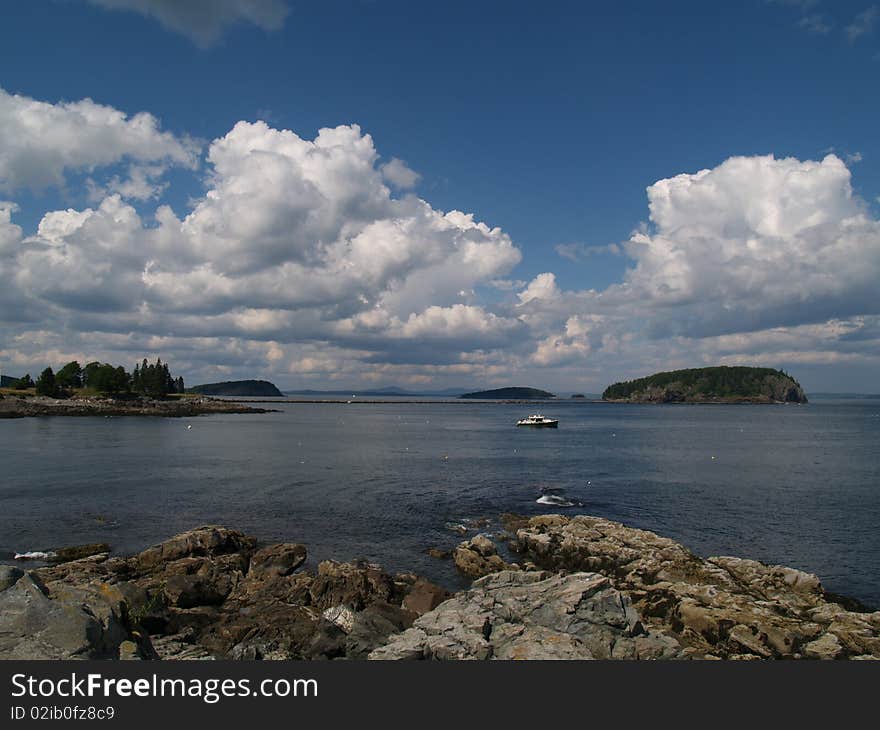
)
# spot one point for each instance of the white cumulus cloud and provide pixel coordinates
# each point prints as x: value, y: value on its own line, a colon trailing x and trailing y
x: 303, y: 258
x: 753, y: 243
x: 294, y: 241
x: 41, y: 142
x: 399, y: 175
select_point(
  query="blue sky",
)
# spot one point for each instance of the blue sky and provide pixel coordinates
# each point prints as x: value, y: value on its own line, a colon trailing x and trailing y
x: 548, y: 122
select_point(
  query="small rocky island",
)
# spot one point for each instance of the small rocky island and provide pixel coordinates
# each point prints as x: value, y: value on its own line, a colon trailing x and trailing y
x: 710, y: 385
x: 23, y: 407
x: 566, y: 588
x: 510, y: 394
x: 239, y: 388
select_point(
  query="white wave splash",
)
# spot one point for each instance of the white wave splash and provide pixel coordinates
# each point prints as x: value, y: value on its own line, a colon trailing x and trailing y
x: 555, y: 500
x: 35, y: 555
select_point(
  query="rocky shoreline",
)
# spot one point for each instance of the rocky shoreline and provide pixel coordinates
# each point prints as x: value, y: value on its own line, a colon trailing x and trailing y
x: 24, y: 407
x: 580, y: 588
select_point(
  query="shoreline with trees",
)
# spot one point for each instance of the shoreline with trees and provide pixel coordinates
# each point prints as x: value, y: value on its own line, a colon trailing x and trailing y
x: 102, y: 389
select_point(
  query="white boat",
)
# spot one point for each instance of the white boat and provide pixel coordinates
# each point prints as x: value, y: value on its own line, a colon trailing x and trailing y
x: 538, y: 421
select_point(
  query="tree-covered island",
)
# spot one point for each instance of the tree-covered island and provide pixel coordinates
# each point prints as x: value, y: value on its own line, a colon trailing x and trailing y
x: 150, y: 389
x: 719, y: 384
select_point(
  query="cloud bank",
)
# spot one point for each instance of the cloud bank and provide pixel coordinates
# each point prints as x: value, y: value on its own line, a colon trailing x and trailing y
x: 308, y: 261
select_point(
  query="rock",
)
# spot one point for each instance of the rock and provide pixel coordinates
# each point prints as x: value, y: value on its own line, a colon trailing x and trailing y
x: 721, y: 606
x: 77, y: 552
x: 208, y: 541
x: 187, y: 591
x: 9, y: 574
x: 340, y: 616
x: 200, y: 581
x: 352, y: 584
x: 424, y: 596
x: 277, y: 561
x: 512, y: 522
x: 520, y: 615
x: 261, y: 630
x: 197, y: 584
x: 328, y: 642
x: 594, y: 589
x: 438, y: 553
x: 477, y: 523
x: 128, y: 650
x: 180, y: 646
x: 826, y: 646
x: 748, y: 639
x: 477, y: 557
x: 372, y: 627
x: 35, y: 626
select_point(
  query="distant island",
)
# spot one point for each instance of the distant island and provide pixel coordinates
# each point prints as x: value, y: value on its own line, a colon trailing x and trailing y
x: 710, y: 385
x: 390, y: 390
x: 510, y: 394
x: 578, y: 395
x: 238, y: 388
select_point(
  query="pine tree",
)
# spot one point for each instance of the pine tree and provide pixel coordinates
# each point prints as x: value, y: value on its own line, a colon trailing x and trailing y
x: 24, y: 382
x: 89, y: 374
x: 70, y: 376
x: 46, y: 383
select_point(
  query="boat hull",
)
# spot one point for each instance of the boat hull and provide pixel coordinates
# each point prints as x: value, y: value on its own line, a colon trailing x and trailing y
x: 552, y: 424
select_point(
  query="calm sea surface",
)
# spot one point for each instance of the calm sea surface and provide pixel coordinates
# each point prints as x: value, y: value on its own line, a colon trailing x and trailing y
x: 797, y: 485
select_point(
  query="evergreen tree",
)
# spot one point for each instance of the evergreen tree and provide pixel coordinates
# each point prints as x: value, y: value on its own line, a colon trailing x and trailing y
x: 89, y: 373
x: 24, y: 383
x: 120, y: 380
x: 70, y: 376
x: 46, y: 383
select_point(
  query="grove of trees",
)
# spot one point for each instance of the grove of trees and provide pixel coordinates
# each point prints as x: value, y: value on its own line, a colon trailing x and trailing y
x: 150, y: 379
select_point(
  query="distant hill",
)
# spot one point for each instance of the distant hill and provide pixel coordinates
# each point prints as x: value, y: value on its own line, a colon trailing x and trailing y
x: 238, y: 387
x: 710, y: 385
x: 390, y: 390
x: 7, y: 382
x: 510, y: 394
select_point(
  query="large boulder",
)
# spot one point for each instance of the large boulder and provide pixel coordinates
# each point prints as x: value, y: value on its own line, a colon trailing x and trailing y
x: 352, y: 584
x: 723, y: 607
x: 478, y: 557
x: 86, y: 622
x: 208, y: 541
x: 276, y: 561
x: 424, y: 596
x: 532, y: 615
x: 9, y: 574
x: 78, y: 552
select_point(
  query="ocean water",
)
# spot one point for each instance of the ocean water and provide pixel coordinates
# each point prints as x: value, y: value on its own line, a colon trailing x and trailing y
x: 795, y: 485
